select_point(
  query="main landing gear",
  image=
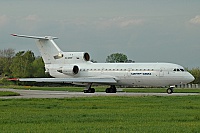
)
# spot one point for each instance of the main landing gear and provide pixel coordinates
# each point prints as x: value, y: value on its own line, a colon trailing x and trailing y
x: 112, y: 89
x: 88, y: 89
x: 170, y: 90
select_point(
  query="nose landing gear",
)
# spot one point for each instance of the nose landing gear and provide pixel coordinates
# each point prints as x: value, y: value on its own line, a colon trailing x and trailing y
x: 170, y: 90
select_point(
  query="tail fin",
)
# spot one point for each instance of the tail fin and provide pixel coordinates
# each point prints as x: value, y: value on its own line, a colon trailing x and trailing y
x: 49, y: 50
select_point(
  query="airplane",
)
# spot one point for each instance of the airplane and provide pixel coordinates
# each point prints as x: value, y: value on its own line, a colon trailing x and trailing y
x: 76, y: 68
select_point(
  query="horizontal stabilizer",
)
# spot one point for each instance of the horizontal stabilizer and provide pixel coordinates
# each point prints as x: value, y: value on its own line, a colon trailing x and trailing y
x: 36, y: 37
x: 71, y: 80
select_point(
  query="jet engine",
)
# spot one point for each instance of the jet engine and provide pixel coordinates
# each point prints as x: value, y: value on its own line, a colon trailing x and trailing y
x: 69, y: 70
x: 77, y: 56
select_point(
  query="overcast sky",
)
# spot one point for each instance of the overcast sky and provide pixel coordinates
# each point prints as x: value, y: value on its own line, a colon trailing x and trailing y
x: 144, y: 30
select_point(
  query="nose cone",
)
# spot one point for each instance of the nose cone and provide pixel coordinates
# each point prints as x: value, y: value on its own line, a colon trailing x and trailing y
x: 190, y: 78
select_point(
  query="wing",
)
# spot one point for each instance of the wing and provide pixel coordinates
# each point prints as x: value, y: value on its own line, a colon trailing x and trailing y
x: 71, y: 80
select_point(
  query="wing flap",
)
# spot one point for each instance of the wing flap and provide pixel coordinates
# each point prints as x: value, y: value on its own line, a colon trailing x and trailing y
x: 71, y: 80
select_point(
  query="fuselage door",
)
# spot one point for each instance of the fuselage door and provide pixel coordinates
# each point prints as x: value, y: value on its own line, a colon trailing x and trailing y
x: 129, y: 72
x: 102, y: 70
x: 161, y: 72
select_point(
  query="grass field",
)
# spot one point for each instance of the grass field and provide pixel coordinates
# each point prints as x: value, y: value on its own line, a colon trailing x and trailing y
x: 8, y: 93
x: 101, y: 114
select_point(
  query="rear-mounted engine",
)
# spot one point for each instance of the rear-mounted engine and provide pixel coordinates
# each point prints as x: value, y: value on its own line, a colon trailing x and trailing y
x: 77, y: 56
x: 69, y: 70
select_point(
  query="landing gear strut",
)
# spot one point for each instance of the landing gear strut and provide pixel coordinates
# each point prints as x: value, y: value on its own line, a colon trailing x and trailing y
x: 89, y: 89
x: 112, y: 89
x: 170, y: 90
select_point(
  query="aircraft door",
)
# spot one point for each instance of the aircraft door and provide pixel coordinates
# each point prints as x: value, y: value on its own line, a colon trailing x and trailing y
x: 161, y: 72
x: 102, y: 70
x: 128, y: 72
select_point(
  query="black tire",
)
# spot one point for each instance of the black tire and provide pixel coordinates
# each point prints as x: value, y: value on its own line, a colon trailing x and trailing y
x: 113, y: 90
x: 170, y: 90
x: 85, y: 91
x: 92, y: 90
x: 107, y: 90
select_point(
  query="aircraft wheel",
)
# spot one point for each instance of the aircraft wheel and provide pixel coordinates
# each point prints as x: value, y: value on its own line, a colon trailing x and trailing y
x: 91, y: 90
x: 113, y: 90
x: 107, y: 90
x: 170, y: 90
x: 85, y: 91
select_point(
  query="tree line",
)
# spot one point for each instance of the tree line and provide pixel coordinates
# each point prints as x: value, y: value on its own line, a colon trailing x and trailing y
x: 24, y: 64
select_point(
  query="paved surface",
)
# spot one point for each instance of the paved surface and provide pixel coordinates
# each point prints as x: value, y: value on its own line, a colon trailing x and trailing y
x: 63, y: 94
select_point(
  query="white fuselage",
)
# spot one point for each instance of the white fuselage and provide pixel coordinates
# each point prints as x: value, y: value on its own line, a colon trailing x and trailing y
x: 75, y: 67
x: 142, y: 74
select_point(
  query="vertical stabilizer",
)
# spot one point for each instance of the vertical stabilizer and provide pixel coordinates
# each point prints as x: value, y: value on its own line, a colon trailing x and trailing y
x: 50, y: 52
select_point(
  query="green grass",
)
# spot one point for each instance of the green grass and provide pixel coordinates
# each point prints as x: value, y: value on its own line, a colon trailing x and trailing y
x: 101, y: 114
x: 8, y: 93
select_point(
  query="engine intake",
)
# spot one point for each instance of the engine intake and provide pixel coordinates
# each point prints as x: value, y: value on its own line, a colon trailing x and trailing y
x: 86, y: 56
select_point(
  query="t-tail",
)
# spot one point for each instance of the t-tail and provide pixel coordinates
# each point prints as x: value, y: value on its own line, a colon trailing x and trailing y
x: 48, y: 49
x: 52, y: 54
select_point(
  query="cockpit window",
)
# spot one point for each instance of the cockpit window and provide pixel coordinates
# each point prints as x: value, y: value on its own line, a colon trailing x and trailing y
x: 176, y: 69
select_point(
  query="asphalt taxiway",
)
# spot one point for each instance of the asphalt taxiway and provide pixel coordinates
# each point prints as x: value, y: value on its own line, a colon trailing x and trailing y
x: 66, y: 94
